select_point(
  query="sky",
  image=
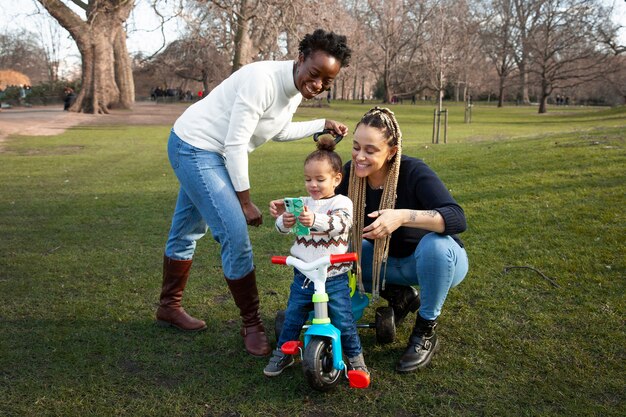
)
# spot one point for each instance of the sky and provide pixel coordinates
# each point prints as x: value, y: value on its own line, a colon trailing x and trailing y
x: 144, y: 34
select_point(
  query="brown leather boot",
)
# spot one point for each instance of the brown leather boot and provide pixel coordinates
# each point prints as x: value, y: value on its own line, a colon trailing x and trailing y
x: 170, y: 311
x: 246, y: 296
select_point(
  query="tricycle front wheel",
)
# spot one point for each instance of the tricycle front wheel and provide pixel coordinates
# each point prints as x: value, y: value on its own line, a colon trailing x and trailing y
x: 317, y: 364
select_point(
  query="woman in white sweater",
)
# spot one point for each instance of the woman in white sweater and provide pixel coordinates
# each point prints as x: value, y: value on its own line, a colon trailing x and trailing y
x: 208, y: 150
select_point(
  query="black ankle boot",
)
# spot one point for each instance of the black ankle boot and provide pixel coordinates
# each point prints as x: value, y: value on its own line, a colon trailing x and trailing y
x: 402, y: 299
x: 422, y: 346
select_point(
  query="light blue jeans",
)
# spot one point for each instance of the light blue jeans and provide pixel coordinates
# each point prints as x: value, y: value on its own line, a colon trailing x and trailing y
x: 207, y: 201
x: 437, y: 265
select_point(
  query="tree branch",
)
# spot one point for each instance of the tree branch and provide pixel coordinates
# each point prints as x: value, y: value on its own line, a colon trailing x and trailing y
x: 550, y: 280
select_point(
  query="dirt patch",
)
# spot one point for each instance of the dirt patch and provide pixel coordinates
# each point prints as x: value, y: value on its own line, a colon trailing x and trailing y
x: 49, y: 120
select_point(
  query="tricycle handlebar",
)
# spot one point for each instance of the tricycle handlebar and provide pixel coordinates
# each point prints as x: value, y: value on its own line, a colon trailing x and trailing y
x: 279, y: 260
x: 309, y: 266
x: 346, y: 257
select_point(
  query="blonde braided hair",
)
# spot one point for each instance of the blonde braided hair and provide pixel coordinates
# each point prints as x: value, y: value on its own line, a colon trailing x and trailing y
x: 384, y: 120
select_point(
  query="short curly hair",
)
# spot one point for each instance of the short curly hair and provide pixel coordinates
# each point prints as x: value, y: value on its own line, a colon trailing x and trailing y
x: 329, y: 42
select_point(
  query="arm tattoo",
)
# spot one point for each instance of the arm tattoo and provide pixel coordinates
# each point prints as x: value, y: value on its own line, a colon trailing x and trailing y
x: 429, y: 213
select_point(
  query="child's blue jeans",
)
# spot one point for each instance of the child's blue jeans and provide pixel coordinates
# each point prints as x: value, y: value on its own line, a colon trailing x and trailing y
x: 339, y: 309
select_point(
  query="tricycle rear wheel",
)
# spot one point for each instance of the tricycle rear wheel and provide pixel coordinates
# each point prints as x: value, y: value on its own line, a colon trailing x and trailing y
x: 279, y: 321
x: 385, y: 325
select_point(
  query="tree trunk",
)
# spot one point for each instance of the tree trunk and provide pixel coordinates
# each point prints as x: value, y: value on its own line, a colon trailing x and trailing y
x: 123, y: 71
x: 106, y: 79
x: 242, y: 38
x: 546, y: 90
x: 543, y: 104
x: 205, y: 83
x: 501, y: 92
x: 523, y: 78
x: 386, y: 76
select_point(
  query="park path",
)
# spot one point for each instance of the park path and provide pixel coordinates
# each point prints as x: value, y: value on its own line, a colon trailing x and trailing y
x: 52, y: 120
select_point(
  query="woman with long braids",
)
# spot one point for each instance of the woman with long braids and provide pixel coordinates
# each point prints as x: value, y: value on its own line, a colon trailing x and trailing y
x: 208, y: 150
x: 405, y: 226
x: 405, y: 231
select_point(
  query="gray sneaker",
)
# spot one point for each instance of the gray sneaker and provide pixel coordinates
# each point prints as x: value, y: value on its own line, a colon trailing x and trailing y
x: 278, y: 362
x: 357, y: 363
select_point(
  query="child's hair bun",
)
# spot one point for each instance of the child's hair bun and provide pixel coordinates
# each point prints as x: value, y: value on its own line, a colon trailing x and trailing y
x: 326, y: 143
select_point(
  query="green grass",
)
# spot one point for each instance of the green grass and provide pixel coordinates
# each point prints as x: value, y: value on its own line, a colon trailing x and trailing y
x: 84, y: 216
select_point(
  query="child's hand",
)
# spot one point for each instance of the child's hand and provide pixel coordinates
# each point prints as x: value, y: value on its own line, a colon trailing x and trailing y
x: 277, y: 207
x: 307, y: 217
x: 289, y: 220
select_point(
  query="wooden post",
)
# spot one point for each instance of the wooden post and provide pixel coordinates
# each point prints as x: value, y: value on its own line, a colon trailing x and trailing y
x: 445, y: 129
x: 434, y: 125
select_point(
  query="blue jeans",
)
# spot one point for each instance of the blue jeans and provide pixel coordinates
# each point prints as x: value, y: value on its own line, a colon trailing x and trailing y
x: 339, y: 309
x: 207, y: 201
x: 437, y: 265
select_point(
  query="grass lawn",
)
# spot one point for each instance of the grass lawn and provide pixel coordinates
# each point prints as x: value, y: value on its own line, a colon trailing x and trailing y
x: 83, y: 220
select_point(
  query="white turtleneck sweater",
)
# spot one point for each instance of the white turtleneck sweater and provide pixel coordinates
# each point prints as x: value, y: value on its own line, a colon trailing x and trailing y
x: 252, y: 106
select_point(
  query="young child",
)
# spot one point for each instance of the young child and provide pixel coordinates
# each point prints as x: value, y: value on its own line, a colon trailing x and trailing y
x: 329, y: 218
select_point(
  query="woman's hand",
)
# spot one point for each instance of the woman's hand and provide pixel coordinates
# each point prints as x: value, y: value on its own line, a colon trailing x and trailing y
x: 307, y: 217
x: 250, y: 210
x: 253, y: 214
x: 277, y: 207
x: 338, y: 128
x: 387, y: 221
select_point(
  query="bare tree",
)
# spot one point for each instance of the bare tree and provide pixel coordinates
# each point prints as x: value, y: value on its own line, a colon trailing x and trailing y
x: 249, y: 30
x: 498, y: 42
x: 440, y: 53
x: 471, y: 61
x: 193, y: 58
x: 101, y: 39
x: 250, y: 26
x: 565, y: 44
x: 527, y: 14
x: 614, y: 82
x: 609, y: 32
x: 49, y: 35
x: 393, y: 32
x: 20, y: 51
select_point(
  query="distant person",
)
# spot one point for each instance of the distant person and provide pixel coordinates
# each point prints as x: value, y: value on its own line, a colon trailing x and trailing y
x: 208, y: 150
x: 22, y: 96
x: 68, y: 98
x: 329, y: 217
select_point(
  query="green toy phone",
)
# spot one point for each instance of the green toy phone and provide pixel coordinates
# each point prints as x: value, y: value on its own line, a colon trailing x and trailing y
x: 296, y: 206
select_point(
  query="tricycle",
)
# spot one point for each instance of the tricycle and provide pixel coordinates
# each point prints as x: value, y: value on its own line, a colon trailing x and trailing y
x: 321, y: 352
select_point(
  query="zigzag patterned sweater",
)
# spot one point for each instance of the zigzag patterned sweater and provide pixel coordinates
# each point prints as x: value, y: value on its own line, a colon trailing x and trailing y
x: 329, y: 233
